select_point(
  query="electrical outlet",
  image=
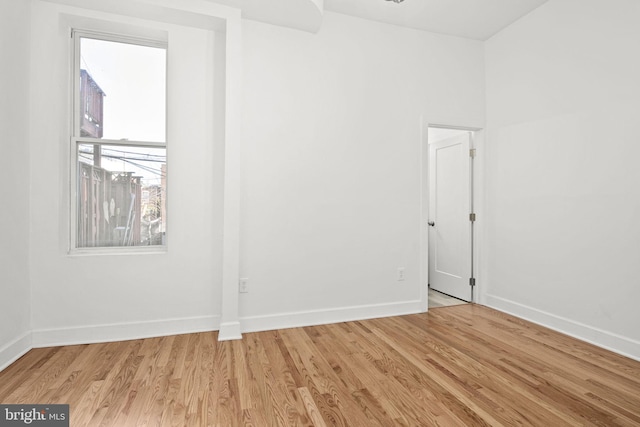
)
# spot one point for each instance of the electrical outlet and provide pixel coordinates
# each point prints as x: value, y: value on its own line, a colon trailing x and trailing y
x: 244, y: 285
x: 400, y: 275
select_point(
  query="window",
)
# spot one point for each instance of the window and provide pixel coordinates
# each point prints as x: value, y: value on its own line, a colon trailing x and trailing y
x: 119, y: 142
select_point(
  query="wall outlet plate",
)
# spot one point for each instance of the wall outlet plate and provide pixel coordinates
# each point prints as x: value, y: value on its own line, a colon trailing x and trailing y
x: 243, y: 287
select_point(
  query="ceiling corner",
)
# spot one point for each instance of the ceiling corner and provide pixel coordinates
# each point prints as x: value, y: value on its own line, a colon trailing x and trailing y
x: 305, y: 15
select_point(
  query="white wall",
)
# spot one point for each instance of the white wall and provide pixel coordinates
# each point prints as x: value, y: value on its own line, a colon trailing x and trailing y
x: 106, y: 297
x: 331, y: 164
x: 331, y: 199
x: 14, y: 180
x: 331, y: 179
x: 563, y: 97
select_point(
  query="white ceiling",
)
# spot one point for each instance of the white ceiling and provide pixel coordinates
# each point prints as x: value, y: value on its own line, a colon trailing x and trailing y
x: 303, y: 15
x: 474, y: 19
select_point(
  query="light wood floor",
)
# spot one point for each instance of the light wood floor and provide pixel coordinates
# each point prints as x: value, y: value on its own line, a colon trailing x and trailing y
x: 438, y: 299
x: 465, y: 365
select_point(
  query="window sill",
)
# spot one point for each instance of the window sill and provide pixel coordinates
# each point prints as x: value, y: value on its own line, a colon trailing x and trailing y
x: 119, y: 250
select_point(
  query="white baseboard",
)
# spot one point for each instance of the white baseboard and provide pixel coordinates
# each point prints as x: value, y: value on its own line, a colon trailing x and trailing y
x: 601, y: 338
x: 322, y: 317
x: 229, y: 331
x: 14, y: 350
x: 123, y: 331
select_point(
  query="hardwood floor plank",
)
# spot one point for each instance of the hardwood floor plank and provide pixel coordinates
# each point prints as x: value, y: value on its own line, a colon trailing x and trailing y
x: 273, y: 388
x: 315, y: 370
x: 83, y: 409
x: 543, y: 397
x: 47, y: 374
x: 311, y: 407
x: 260, y: 407
x: 550, y: 367
x: 282, y: 373
x: 376, y: 368
x: 487, y: 381
x: 450, y: 392
x: 340, y: 359
x: 419, y: 385
x: 115, y: 395
x: 463, y: 365
x: 578, y: 376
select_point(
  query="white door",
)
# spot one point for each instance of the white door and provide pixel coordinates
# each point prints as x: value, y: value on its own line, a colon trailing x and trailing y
x: 449, y: 208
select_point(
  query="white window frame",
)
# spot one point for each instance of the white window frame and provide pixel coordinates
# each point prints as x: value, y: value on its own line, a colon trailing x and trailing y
x: 76, y: 140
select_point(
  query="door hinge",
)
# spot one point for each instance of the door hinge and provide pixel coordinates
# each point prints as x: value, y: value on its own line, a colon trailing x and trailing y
x: 472, y: 217
x: 472, y: 152
x: 472, y: 281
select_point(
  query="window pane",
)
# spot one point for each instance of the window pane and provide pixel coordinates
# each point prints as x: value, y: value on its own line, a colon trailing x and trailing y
x: 121, y: 195
x: 122, y: 91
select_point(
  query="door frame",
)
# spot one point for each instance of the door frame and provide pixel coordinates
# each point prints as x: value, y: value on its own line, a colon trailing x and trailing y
x: 477, y: 170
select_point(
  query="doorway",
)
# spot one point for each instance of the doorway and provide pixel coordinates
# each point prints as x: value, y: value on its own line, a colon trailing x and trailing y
x: 450, y: 215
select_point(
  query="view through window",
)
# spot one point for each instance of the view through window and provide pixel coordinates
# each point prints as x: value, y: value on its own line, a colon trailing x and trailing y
x: 120, y: 142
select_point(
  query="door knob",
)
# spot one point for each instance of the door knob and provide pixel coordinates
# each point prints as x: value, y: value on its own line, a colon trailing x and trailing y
x: 431, y: 224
